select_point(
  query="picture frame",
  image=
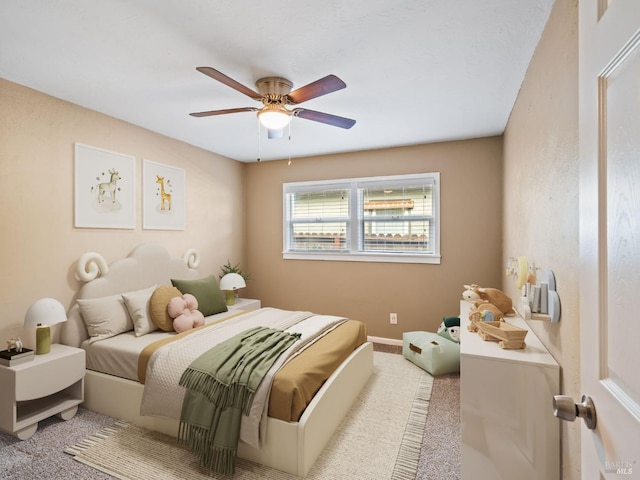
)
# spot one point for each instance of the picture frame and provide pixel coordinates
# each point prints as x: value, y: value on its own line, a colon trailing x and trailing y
x: 163, y: 196
x: 104, y: 188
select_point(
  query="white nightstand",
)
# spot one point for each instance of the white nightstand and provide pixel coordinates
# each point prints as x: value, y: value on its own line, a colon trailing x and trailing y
x: 50, y: 384
x: 245, y: 304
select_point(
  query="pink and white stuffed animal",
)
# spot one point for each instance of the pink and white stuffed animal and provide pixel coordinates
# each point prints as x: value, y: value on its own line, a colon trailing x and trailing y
x: 185, y: 313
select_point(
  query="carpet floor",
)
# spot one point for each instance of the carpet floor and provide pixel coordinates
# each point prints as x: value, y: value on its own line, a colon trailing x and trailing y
x: 42, y: 456
x: 440, y: 453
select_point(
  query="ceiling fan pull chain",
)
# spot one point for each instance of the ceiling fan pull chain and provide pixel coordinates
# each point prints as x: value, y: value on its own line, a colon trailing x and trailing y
x: 259, y: 143
x: 289, y: 144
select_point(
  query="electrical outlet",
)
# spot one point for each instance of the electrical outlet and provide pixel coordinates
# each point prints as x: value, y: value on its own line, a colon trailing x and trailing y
x: 393, y: 318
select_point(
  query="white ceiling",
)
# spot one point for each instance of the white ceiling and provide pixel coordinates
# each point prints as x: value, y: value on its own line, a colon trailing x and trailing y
x: 417, y: 71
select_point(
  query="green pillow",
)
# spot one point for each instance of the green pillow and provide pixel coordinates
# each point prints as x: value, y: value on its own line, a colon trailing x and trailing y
x: 207, y: 292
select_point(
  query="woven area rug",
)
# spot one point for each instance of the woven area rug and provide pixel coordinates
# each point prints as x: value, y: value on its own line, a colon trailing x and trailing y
x: 380, y: 438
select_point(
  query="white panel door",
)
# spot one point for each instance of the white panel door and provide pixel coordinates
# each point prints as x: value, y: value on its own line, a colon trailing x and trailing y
x: 610, y: 234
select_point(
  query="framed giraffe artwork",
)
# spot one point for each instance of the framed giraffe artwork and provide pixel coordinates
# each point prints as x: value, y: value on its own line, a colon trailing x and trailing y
x: 163, y: 196
x: 105, y: 188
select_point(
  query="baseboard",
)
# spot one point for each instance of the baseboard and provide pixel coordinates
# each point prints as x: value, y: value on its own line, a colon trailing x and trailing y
x: 385, y: 341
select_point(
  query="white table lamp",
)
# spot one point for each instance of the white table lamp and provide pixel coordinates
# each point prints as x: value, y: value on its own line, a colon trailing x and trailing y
x: 229, y: 284
x: 41, y: 315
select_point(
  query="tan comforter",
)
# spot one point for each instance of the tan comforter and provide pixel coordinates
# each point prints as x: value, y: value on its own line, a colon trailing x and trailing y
x: 297, y: 382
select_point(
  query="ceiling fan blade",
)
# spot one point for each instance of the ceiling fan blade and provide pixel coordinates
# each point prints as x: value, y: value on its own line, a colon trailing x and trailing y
x: 327, y: 118
x: 325, y: 85
x: 230, y: 82
x: 223, y: 112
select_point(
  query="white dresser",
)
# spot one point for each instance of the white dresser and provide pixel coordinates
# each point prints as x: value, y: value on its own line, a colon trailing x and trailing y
x: 506, y: 414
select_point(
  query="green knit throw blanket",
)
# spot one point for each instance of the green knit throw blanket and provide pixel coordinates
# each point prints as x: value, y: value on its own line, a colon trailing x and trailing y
x: 220, y: 386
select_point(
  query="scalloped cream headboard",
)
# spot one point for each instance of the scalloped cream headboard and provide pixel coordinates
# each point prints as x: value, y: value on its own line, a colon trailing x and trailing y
x: 148, y: 264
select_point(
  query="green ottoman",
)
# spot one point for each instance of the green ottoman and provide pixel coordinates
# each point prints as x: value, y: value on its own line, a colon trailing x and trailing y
x: 431, y: 352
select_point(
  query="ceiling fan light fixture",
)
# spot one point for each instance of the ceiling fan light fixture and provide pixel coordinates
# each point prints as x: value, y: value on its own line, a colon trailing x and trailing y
x: 274, y: 117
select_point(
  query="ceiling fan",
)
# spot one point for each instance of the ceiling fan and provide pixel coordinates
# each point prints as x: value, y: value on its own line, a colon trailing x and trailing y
x: 275, y: 94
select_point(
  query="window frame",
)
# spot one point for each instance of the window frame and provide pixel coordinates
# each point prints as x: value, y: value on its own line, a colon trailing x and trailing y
x: 356, y: 219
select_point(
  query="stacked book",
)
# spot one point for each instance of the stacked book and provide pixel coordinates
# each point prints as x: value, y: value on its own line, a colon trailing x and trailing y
x: 539, y: 298
x: 11, y: 358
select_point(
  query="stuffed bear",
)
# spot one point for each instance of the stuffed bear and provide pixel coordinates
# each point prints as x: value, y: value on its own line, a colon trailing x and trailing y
x: 185, y: 313
x: 482, y: 306
x: 478, y: 316
x: 482, y: 311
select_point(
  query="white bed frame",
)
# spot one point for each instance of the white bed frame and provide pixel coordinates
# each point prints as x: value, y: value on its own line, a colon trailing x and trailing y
x: 289, y: 446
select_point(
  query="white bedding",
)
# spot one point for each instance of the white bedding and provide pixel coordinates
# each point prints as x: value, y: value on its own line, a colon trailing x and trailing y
x: 119, y: 355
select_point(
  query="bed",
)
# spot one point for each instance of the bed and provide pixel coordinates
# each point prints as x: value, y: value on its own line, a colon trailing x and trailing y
x: 290, y: 436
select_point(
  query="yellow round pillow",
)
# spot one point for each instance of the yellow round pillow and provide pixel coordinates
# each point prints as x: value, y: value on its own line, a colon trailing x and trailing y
x: 158, y: 306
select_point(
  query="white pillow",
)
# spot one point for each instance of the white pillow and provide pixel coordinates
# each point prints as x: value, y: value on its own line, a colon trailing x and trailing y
x: 138, y: 308
x: 107, y: 316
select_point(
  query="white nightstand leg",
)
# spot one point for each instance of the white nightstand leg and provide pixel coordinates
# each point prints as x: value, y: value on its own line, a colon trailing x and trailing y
x: 68, y: 414
x: 26, y: 432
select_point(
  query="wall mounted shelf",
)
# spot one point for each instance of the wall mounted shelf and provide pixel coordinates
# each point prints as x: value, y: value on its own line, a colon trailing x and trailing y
x: 540, y: 301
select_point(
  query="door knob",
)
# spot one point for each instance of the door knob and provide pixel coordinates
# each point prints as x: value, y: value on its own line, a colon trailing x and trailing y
x: 565, y: 409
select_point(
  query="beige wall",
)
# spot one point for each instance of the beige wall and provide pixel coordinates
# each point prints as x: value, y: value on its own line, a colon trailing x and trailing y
x: 471, y: 243
x: 40, y: 245
x: 541, y: 195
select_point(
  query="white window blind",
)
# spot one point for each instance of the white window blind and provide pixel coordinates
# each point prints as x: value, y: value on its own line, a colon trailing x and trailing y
x: 319, y: 220
x: 392, y: 218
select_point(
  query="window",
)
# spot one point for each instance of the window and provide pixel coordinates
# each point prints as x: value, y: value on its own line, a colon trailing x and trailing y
x: 391, y: 219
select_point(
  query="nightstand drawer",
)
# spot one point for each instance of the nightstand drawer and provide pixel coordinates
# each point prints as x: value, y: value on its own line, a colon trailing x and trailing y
x: 50, y: 377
